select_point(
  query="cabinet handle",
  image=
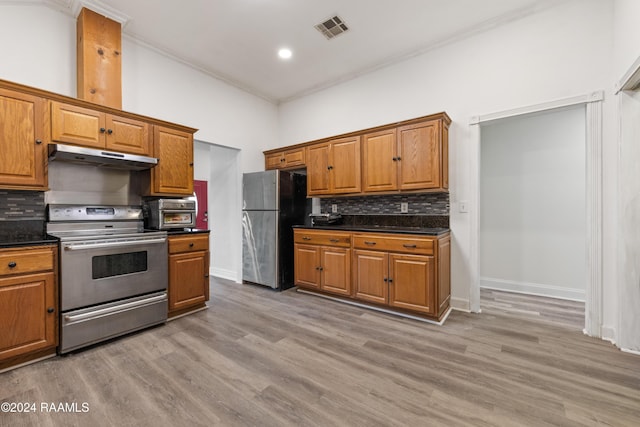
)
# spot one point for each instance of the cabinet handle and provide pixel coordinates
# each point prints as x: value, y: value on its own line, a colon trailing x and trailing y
x: 38, y: 141
x: 329, y: 167
x: 206, y: 276
x: 410, y: 246
x: 334, y: 240
x: 320, y: 268
x: 390, y: 280
x: 102, y: 130
x: 12, y: 264
x: 191, y: 164
x: 386, y: 280
x: 395, y: 159
x: 369, y: 243
x: 282, y: 160
x: 306, y: 238
x: 190, y: 245
x: 109, y: 131
x: 50, y: 310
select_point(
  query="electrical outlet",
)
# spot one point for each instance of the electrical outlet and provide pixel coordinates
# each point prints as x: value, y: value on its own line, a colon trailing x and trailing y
x: 334, y: 208
x: 404, y: 207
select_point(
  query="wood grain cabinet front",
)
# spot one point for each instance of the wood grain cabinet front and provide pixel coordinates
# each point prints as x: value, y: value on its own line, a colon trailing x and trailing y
x: 288, y: 159
x: 28, y: 304
x: 77, y: 125
x: 23, y: 159
x: 173, y: 175
x: 322, y: 261
x: 334, y: 167
x: 188, y: 273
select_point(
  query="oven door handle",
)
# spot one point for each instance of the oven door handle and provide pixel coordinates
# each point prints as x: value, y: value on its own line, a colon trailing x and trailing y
x: 77, y: 247
x: 104, y: 311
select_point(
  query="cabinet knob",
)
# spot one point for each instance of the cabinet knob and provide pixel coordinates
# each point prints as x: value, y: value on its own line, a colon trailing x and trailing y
x: 399, y: 158
x: 12, y: 264
x: 109, y: 131
x: 102, y: 130
x: 38, y: 141
x: 282, y: 160
x: 50, y: 310
x: 329, y: 167
x: 386, y: 280
x: 191, y: 244
x: 390, y: 280
x: 191, y: 164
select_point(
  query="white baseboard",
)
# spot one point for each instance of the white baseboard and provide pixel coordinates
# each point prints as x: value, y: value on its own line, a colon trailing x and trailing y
x: 609, y: 334
x: 461, y: 304
x: 224, y: 274
x: 533, y: 289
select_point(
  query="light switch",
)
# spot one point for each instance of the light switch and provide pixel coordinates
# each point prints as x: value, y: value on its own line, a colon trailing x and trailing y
x: 462, y: 206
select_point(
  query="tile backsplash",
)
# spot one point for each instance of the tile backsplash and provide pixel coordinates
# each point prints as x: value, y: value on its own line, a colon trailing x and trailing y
x: 21, y: 205
x: 418, y: 204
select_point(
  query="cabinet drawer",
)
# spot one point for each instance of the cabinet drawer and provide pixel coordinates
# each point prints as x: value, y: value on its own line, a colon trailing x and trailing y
x: 26, y: 261
x: 323, y: 238
x: 408, y: 244
x: 188, y: 243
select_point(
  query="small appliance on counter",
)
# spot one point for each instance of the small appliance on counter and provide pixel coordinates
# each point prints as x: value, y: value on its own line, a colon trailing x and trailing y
x: 166, y: 214
x: 326, y: 218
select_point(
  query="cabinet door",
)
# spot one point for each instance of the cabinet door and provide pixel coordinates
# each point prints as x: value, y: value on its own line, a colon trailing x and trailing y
x: 412, y: 282
x: 419, y: 153
x: 336, y: 270
x: 307, y: 266
x: 77, y: 125
x: 187, y: 279
x: 22, y: 163
x: 379, y: 161
x: 174, y: 173
x: 25, y: 320
x: 371, y: 274
x: 345, y: 165
x: 318, y: 170
x: 273, y: 161
x: 294, y: 157
x: 128, y: 135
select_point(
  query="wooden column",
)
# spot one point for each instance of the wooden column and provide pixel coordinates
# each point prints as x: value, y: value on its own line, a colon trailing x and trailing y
x: 99, y: 64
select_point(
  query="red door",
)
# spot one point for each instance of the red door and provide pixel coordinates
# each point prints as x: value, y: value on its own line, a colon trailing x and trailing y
x: 200, y: 190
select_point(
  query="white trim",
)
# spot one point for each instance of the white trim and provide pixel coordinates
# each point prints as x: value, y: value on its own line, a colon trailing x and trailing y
x: 594, y: 137
x: 608, y: 334
x: 539, y: 289
x: 96, y: 6
x: 223, y: 273
x: 597, y: 96
x: 626, y: 350
x: 630, y: 80
x: 461, y: 304
x: 376, y: 308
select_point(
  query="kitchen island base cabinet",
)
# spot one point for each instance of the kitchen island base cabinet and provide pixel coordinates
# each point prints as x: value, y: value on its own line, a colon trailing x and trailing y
x: 188, y: 273
x: 28, y: 304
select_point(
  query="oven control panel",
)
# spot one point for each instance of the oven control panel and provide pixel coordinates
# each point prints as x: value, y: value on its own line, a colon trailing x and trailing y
x: 92, y: 213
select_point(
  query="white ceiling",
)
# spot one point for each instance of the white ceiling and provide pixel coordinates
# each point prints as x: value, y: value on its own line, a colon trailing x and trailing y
x: 237, y: 40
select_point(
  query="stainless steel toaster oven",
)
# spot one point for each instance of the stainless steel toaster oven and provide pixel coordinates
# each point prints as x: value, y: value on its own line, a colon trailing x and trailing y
x: 165, y: 214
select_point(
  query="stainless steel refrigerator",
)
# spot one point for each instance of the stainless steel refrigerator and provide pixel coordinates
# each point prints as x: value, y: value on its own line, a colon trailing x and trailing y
x: 273, y: 201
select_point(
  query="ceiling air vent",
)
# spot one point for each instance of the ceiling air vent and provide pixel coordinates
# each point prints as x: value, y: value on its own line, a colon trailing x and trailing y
x: 332, y: 27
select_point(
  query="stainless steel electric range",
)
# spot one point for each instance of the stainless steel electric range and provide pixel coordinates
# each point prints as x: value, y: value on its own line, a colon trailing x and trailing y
x: 113, y: 274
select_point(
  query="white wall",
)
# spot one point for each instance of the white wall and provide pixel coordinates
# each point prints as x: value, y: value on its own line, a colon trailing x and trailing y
x: 38, y: 46
x: 532, y: 204
x: 560, y: 52
x: 626, y: 35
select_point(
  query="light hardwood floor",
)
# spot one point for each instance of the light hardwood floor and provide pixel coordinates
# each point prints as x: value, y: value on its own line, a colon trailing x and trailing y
x: 262, y: 358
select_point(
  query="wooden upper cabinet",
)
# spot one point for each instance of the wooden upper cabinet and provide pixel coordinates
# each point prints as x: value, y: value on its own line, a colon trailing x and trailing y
x: 419, y: 156
x: 318, y: 170
x: 379, y: 161
x: 128, y: 135
x: 23, y: 159
x: 410, y: 157
x: 334, y: 167
x: 91, y: 128
x: 294, y: 158
x: 173, y: 175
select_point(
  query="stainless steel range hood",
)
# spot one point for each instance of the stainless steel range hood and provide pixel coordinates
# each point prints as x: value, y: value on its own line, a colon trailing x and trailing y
x: 100, y: 158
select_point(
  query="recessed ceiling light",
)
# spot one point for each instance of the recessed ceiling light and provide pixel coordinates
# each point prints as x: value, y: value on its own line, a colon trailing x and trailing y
x: 285, y: 53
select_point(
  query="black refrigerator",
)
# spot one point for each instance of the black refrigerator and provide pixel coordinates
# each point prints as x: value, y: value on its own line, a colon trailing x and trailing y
x: 273, y: 202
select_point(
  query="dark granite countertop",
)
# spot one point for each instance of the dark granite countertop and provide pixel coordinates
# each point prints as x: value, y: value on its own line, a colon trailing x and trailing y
x: 427, y: 231
x: 178, y: 231
x: 24, y: 233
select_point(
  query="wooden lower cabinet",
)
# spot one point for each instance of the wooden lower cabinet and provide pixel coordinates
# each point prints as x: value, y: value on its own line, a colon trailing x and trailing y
x: 408, y: 273
x: 28, y: 304
x: 188, y: 273
x: 322, y: 261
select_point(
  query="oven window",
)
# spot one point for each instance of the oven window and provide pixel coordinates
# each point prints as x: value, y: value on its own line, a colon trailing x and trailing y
x: 118, y: 264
